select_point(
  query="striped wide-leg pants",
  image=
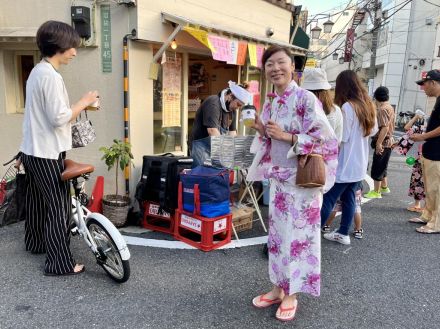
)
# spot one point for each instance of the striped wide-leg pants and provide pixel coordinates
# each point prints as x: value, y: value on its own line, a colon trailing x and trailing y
x: 48, y: 208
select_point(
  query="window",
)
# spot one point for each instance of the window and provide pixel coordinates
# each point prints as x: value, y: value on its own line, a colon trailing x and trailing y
x: 438, y: 54
x: 167, y: 108
x: 17, y: 67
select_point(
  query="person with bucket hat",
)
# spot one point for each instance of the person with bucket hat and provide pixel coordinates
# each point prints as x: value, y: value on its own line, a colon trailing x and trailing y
x: 430, y: 84
x: 382, y: 143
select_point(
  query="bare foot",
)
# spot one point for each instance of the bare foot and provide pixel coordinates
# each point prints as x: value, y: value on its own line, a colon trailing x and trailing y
x: 78, y: 268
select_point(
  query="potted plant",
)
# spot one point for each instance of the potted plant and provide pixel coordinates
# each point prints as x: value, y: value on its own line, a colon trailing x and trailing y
x: 115, y: 206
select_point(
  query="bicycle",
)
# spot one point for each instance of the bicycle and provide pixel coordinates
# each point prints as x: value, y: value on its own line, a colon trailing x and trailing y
x: 100, y: 235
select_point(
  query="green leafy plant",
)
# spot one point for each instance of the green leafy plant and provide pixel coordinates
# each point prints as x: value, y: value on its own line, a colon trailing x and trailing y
x: 119, y: 155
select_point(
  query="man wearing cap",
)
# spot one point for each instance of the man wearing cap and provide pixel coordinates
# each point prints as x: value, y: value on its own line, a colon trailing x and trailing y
x: 430, y: 84
x: 382, y: 143
x: 216, y: 116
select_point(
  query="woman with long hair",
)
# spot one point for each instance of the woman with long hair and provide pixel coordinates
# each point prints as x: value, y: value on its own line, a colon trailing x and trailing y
x: 359, y: 124
x: 292, y: 124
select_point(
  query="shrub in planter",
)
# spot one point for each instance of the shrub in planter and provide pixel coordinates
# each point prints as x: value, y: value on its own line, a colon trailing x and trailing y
x: 115, y: 206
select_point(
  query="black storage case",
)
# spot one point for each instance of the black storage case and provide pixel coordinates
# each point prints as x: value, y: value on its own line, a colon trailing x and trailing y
x: 160, y: 179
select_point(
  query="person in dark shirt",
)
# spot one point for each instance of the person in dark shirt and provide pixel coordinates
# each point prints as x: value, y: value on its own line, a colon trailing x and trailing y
x: 430, y: 157
x: 216, y: 116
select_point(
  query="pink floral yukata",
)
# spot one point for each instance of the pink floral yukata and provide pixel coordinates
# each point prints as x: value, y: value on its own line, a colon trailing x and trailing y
x: 294, y: 213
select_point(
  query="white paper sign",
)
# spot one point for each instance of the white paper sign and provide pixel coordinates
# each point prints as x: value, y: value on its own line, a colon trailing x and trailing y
x: 192, y: 223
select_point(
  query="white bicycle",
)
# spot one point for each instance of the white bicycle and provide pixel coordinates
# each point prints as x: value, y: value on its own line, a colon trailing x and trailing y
x: 102, y: 237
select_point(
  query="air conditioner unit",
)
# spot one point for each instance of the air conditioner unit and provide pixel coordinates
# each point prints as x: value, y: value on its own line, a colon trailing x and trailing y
x: 429, y: 21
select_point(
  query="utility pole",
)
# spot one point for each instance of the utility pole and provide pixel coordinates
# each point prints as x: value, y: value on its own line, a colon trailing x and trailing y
x: 376, y: 19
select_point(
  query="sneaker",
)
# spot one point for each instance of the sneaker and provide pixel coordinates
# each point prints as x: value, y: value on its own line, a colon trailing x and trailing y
x: 325, y: 229
x: 385, y: 190
x: 373, y: 195
x: 358, y: 234
x: 337, y: 237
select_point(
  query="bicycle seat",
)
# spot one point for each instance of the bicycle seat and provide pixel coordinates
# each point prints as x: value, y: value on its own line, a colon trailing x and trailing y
x: 74, y: 169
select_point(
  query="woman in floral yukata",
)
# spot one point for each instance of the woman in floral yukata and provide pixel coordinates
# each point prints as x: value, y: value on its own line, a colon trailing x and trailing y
x: 292, y: 124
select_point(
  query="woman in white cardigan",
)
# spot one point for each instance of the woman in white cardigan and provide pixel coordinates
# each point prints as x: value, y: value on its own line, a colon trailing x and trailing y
x: 46, y: 137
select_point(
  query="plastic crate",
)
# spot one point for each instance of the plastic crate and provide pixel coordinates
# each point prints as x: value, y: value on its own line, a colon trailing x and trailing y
x: 157, y: 219
x: 201, y: 232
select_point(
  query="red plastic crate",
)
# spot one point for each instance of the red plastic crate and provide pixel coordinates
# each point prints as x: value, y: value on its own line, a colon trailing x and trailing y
x: 156, y: 219
x: 201, y: 232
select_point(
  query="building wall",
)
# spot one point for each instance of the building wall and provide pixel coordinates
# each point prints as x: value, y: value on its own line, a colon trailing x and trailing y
x: 81, y: 75
x: 84, y: 73
x: 244, y: 16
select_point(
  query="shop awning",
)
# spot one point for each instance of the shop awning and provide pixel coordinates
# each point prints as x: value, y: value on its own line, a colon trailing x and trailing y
x: 301, y: 38
x: 183, y: 21
x: 18, y: 34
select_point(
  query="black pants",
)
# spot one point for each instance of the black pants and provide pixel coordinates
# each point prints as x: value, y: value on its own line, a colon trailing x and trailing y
x: 48, y: 207
x: 380, y: 164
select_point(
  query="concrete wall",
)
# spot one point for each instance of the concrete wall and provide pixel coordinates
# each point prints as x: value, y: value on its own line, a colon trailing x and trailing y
x: 84, y: 73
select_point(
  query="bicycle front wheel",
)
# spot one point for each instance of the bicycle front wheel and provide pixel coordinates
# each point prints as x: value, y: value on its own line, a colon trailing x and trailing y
x: 109, y: 256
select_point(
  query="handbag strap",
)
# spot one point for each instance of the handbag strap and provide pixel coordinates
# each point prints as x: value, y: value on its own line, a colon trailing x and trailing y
x: 79, y: 116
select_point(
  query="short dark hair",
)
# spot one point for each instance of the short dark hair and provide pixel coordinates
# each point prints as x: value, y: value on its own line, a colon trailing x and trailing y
x: 274, y: 49
x: 54, y: 37
x: 382, y: 94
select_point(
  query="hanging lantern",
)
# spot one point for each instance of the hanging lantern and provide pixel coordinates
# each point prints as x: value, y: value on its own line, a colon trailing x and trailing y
x: 328, y: 26
x: 316, y: 31
x: 335, y: 56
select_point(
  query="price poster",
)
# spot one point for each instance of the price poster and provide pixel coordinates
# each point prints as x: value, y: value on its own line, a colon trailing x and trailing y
x: 171, y: 92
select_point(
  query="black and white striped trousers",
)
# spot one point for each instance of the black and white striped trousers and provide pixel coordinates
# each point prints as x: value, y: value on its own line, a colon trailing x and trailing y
x: 48, y: 207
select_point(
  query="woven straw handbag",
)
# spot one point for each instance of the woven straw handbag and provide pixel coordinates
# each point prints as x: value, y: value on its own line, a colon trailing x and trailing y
x: 313, y: 173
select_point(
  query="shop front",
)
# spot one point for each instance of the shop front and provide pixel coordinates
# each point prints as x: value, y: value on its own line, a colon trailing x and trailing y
x: 195, y: 62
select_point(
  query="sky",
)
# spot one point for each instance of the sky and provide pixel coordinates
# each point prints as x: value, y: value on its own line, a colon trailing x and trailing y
x: 319, y: 6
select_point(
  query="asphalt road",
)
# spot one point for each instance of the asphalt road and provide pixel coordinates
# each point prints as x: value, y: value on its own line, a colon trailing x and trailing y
x: 390, y: 279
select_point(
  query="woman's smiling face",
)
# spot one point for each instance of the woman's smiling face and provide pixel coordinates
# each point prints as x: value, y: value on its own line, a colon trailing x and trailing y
x: 278, y: 69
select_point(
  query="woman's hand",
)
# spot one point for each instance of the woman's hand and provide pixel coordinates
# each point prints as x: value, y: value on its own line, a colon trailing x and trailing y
x: 17, y: 164
x: 274, y: 131
x: 417, y: 137
x: 379, y: 149
x: 258, y: 125
x: 89, y: 98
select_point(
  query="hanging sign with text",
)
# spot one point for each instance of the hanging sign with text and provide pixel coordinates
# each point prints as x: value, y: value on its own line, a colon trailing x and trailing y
x: 106, y: 39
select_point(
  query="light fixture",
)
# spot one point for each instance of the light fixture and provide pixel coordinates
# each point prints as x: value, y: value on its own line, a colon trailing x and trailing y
x: 316, y: 31
x: 335, y: 56
x: 341, y: 60
x: 328, y: 25
x: 174, y: 44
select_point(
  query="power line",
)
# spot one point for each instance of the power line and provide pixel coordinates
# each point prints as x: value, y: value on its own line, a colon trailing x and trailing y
x: 431, y: 3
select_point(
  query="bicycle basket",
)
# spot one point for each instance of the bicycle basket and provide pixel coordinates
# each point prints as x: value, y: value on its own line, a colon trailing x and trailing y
x: 9, y: 176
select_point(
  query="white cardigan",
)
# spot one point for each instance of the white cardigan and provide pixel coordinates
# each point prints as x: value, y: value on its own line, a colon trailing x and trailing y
x: 46, y: 125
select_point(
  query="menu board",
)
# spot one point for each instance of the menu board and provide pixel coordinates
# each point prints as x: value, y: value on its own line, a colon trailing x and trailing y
x: 171, y: 92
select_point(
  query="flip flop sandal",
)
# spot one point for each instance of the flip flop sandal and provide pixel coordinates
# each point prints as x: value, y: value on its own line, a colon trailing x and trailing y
x: 417, y: 220
x: 268, y: 302
x: 287, y: 309
x: 67, y: 273
x: 414, y: 209
x: 426, y: 230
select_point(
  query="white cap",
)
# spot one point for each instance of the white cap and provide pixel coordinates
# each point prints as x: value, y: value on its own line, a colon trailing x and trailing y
x: 315, y: 79
x: 240, y: 93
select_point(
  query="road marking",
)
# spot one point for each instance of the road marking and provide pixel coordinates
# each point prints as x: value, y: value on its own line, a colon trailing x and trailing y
x: 167, y: 244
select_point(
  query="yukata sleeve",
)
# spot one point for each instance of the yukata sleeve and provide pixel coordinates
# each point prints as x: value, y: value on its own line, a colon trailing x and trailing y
x: 315, y: 135
x: 261, y: 148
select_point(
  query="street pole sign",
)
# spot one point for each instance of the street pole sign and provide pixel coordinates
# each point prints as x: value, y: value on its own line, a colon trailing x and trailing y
x: 349, y: 45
